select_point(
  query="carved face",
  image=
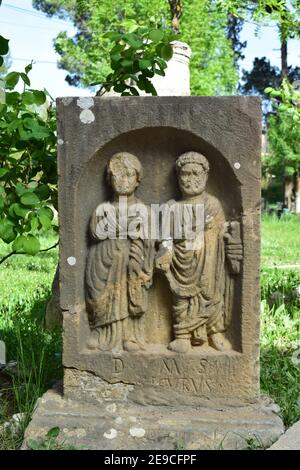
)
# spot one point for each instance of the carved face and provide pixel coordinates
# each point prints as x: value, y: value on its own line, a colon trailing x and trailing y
x: 124, y: 180
x: 192, y: 179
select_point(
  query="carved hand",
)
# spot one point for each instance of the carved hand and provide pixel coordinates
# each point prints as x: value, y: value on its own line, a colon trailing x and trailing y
x: 233, y: 247
x: 163, y: 259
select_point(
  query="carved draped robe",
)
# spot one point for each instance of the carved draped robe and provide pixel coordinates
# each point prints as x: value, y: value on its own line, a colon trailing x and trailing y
x: 197, y: 278
x: 118, y: 276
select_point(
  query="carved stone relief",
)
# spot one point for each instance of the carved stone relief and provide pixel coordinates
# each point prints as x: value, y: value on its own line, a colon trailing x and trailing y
x: 200, y: 269
x: 119, y: 268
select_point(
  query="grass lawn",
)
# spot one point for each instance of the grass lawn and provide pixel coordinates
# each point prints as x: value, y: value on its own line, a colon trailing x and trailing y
x: 25, y: 289
x: 280, y: 333
x: 280, y: 240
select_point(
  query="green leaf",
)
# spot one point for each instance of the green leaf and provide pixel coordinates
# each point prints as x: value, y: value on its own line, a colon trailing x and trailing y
x: 25, y: 78
x: 31, y: 245
x: 11, y: 80
x: 145, y: 84
x: 148, y: 73
x: 144, y: 64
x: 130, y: 25
x: 156, y: 35
x: 43, y: 192
x: 268, y: 90
x: 53, y: 432
x: 12, y: 98
x: 39, y: 97
x: 3, y: 172
x: 3, y: 45
x: 112, y: 36
x: 47, y: 211
x: 18, y: 244
x: 115, y: 57
x: 134, y: 91
x: 133, y: 40
x: 34, y: 223
x: 20, y: 189
x: 11, y: 211
x: 120, y: 87
x: 28, y: 68
x: 28, y: 97
x: 29, y: 199
x: 126, y: 63
x: 1, y: 202
x: 45, y: 221
x: 37, y: 131
x: 160, y: 72
x: 161, y: 63
x: 7, y: 230
x: 166, y: 52
x: 20, y: 210
x: 117, y: 49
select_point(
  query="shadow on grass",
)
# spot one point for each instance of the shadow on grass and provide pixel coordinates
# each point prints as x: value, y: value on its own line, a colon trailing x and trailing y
x: 38, y: 356
x: 280, y: 379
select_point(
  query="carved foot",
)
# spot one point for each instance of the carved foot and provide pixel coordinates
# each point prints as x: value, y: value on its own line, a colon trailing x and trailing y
x: 219, y: 342
x: 93, y: 341
x: 132, y: 346
x: 180, y: 345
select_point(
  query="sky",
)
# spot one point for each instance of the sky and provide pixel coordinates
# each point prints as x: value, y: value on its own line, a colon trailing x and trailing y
x: 31, y: 36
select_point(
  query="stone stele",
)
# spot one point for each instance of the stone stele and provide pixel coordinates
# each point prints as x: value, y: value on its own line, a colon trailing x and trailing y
x: 161, y: 330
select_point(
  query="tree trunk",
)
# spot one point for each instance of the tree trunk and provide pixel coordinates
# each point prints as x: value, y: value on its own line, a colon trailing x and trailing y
x: 176, y: 12
x: 288, y: 191
x: 297, y: 193
x: 284, y: 54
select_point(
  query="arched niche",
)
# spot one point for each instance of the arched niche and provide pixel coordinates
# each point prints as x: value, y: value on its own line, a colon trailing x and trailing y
x: 157, y: 148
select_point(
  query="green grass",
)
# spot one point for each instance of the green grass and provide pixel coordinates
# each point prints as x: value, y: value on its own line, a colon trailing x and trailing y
x: 25, y: 290
x: 26, y: 286
x: 280, y: 316
x: 280, y: 240
x: 280, y: 376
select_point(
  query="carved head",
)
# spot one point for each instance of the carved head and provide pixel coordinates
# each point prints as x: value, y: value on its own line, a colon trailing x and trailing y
x: 124, y: 173
x: 192, y: 169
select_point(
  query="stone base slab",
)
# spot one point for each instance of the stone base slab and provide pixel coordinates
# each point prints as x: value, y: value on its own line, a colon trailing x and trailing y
x: 124, y: 425
x: 290, y: 440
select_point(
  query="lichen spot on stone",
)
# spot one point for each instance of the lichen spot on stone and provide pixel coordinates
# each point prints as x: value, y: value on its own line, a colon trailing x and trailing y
x: 111, y: 408
x: 85, y: 102
x: 119, y: 420
x: 111, y: 434
x: 133, y: 419
x: 87, y: 116
x: 60, y: 142
x: 67, y: 100
x: 137, y: 432
x: 71, y: 260
x: 237, y: 165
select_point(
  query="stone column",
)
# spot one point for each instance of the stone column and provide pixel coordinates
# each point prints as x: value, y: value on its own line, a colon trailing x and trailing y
x: 176, y: 82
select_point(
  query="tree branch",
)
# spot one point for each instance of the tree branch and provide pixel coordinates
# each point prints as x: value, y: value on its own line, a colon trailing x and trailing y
x: 24, y: 253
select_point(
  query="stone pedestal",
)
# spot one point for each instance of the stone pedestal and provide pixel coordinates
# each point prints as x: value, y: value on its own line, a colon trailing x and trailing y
x: 161, y: 337
x: 105, y: 420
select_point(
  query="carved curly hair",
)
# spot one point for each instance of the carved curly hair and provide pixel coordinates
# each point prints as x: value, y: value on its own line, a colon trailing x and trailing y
x: 192, y: 157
